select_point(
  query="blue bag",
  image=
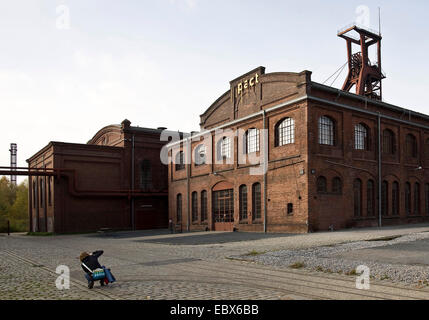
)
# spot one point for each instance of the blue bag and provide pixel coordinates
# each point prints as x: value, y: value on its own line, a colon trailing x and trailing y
x: 109, y: 275
x: 97, y: 274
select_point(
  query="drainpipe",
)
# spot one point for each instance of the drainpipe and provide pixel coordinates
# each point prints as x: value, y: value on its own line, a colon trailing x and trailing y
x: 379, y: 169
x: 265, y: 160
x: 132, y: 183
x: 188, y: 173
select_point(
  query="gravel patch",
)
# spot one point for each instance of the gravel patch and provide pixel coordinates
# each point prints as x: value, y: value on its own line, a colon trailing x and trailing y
x: 326, y: 259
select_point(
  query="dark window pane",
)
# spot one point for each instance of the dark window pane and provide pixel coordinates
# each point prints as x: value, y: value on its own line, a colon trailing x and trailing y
x: 357, y: 192
x: 326, y: 131
x: 322, y: 185
x: 256, y: 200
x: 336, y: 185
x: 243, y: 202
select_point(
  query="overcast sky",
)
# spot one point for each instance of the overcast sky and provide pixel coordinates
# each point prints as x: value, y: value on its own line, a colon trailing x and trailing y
x: 69, y: 68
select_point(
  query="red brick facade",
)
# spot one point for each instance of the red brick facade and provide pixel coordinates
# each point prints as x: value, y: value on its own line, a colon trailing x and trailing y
x: 342, y: 161
x: 95, y: 188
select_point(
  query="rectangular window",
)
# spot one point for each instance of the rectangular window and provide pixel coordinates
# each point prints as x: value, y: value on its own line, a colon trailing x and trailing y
x: 290, y: 209
x: 145, y: 175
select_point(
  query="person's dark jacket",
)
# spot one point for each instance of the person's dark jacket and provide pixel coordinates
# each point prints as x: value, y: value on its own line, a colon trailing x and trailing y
x: 91, y: 261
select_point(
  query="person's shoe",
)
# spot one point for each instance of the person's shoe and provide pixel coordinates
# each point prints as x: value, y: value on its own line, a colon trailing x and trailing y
x: 102, y: 283
x: 90, y: 284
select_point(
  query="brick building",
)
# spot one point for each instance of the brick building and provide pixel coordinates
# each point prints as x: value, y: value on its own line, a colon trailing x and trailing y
x: 333, y: 160
x: 114, y: 181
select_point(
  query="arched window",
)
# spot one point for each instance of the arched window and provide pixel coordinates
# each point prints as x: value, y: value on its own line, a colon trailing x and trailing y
x: 204, y: 206
x: 179, y: 207
x: 370, y: 198
x: 416, y: 199
x: 243, y: 202
x: 252, y: 140
x: 146, y: 175
x: 357, y: 197
x: 384, y: 198
x: 337, y: 186
x: 224, y: 148
x: 194, y: 206
x: 411, y: 145
x: 180, y: 161
x: 200, y: 155
x: 326, y: 131
x: 322, y: 185
x: 361, y: 137
x: 395, y: 198
x: 408, y: 198
x: 285, y: 132
x: 389, y: 144
x: 256, y: 201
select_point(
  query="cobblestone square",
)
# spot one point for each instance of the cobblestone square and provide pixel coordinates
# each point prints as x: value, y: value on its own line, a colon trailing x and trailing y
x: 156, y: 265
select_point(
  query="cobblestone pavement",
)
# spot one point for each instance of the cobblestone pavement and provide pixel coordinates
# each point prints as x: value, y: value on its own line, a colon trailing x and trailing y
x: 157, y: 265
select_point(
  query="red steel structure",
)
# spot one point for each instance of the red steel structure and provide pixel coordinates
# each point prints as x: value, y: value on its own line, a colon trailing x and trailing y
x: 363, y: 74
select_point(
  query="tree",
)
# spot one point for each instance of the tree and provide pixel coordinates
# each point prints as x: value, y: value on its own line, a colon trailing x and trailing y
x: 13, y: 205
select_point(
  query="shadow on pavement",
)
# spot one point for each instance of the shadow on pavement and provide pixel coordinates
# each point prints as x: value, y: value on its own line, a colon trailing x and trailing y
x: 213, y: 238
x: 129, y: 234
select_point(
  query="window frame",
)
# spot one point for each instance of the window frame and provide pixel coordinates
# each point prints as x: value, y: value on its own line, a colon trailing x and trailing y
x: 327, y: 131
x: 285, y: 132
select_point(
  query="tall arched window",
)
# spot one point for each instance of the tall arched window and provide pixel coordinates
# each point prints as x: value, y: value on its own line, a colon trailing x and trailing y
x: 180, y: 161
x: 395, y: 198
x: 357, y: 197
x: 416, y: 199
x: 256, y: 201
x: 389, y: 144
x: 411, y: 146
x: 361, y: 137
x: 204, y: 206
x: 322, y: 185
x: 224, y: 148
x: 408, y: 198
x: 179, y: 207
x: 384, y: 198
x: 326, y: 131
x: 337, y: 186
x: 243, y: 202
x: 200, y: 155
x: 370, y: 212
x: 252, y: 140
x: 285, y: 132
x: 194, y: 206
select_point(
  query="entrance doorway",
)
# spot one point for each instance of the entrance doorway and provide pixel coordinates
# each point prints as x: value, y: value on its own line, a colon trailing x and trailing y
x: 223, y: 210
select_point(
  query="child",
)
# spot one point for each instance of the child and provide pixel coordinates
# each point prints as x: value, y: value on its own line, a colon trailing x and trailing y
x: 89, y: 264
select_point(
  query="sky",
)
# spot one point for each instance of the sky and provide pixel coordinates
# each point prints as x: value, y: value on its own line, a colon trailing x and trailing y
x: 70, y: 67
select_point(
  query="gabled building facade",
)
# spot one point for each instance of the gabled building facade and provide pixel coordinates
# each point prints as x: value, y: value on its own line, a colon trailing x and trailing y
x: 278, y: 152
x: 115, y: 181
